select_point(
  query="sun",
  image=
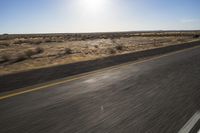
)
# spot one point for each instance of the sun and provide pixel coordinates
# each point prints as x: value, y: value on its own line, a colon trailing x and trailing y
x: 93, y: 5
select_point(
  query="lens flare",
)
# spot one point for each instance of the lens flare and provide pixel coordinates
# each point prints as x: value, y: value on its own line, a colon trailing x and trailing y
x: 93, y: 5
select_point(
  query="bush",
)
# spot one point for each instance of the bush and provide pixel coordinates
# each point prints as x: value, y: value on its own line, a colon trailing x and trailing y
x: 32, y: 52
x: 36, y: 42
x: 196, y: 36
x: 39, y: 50
x: 4, y: 58
x: 96, y: 46
x: 59, y: 40
x: 4, y: 43
x: 20, y: 57
x: 30, y: 41
x: 17, y: 42
x: 68, y: 51
x: 29, y: 52
x: 119, y: 47
x: 111, y: 51
x: 21, y: 41
x: 47, y: 40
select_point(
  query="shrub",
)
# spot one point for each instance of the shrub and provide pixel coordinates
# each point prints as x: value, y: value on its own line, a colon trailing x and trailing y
x: 39, y: 50
x: 47, y: 40
x: 111, y: 51
x: 29, y: 52
x: 196, y: 36
x: 20, y: 57
x: 4, y: 43
x: 17, y: 42
x: 21, y: 41
x: 119, y: 47
x: 35, y: 51
x: 36, y: 42
x: 4, y: 58
x: 96, y: 46
x: 59, y: 41
x: 68, y: 51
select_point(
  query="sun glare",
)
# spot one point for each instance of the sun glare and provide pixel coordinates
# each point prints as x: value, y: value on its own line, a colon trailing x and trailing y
x: 93, y: 5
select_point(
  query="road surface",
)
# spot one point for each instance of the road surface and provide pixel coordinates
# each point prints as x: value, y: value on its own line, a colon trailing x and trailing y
x: 157, y: 95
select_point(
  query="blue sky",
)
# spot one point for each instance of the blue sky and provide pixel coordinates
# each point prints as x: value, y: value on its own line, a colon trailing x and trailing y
x: 44, y: 16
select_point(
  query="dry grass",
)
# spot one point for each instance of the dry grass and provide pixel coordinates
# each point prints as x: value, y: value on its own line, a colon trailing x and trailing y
x: 4, y: 58
x: 119, y: 47
x: 18, y: 57
x: 111, y: 51
x: 31, y: 52
x: 68, y: 51
x: 196, y: 36
x: 21, y: 41
x: 3, y: 43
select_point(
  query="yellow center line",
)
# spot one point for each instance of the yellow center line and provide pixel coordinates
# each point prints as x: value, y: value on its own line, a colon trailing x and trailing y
x: 80, y: 76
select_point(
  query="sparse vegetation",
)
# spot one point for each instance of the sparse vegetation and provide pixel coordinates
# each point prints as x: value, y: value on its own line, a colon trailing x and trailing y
x: 4, y: 44
x: 119, y: 47
x: 68, y: 51
x: 5, y: 34
x: 39, y: 50
x: 47, y: 40
x: 96, y: 46
x: 29, y: 53
x: 4, y: 58
x: 111, y: 51
x: 21, y: 41
x: 19, y: 57
x: 35, y: 51
x: 196, y: 36
x: 23, y: 52
x: 35, y: 42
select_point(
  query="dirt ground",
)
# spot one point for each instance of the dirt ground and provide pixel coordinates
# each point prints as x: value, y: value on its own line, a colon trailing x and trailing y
x: 21, y: 54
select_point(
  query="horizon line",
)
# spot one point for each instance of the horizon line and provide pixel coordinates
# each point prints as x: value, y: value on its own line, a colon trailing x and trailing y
x: 136, y: 31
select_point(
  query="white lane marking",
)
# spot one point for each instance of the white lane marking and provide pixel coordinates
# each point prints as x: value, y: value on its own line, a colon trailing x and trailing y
x: 191, y: 123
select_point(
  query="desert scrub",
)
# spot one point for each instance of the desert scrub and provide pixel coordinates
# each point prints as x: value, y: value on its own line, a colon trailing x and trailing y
x: 39, y: 50
x: 4, y: 43
x: 4, y: 58
x: 59, y: 39
x: 111, y: 51
x: 29, y: 53
x: 196, y: 36
x: 35, y: 51
x: 28, y: 41
x: 36, y: 42
x: 96, y: 46
x: 68, y: 51
x: 119, y: 47
x: 21, y: 41
x: 47, y: 40
x: 18, y: 58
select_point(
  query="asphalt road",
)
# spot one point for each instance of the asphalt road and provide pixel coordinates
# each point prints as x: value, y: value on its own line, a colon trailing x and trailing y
x: 154, y: 96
